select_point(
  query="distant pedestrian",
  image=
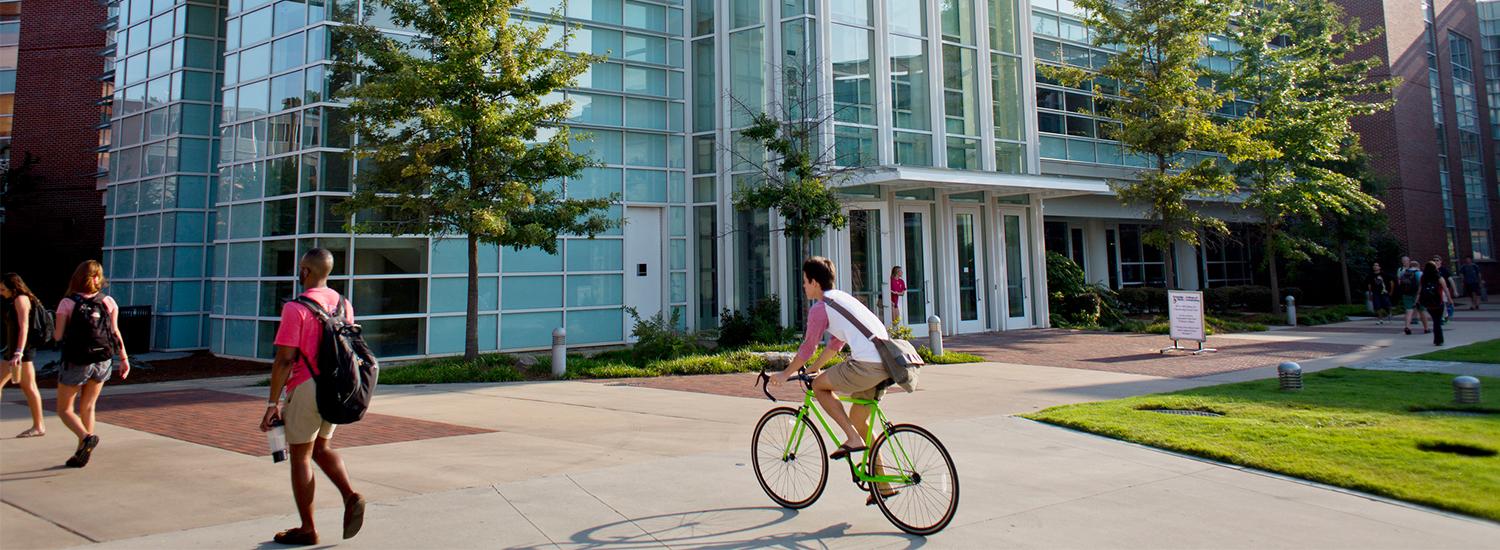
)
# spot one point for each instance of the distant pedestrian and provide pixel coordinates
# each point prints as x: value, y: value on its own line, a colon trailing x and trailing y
x: 898, y: 291
x: 1380, y: 286
x: 87, y: 325
x: 1447, y: 276
x: 1408, y: 283
x: 1469, y: 273
x: 307, y: 433
x: 1434, y: 297
x: 22, y: 313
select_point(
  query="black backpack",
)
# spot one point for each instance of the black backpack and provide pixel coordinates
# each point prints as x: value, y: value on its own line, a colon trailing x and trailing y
x: 43, y: 325
x: 347, y: 370
x: 90, y: 336
x: 1430, y: 295
x: 1407, y: 284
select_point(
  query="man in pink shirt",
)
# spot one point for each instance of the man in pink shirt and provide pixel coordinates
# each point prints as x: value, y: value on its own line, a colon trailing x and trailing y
x: 307, y: 434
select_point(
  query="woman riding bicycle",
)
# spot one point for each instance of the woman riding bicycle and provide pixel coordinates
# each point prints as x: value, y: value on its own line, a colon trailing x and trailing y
x: 863, y: 376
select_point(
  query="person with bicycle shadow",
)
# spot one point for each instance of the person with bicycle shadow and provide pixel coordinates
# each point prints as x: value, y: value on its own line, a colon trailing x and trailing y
x: 863, y: 376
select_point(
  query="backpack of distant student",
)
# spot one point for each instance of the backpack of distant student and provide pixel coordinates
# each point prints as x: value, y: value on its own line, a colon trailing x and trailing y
x: 90, y: 335
x: 1407, y: 284
x: 1430, y: 296
x: 347, y: 370
x: 43, y: 325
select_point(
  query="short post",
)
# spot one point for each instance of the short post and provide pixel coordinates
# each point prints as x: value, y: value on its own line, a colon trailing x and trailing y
x: 559, y: 352
x: 1466, y: 390
x: 1290, y: 375
x: 935, y: 334
x: 1291, y: 310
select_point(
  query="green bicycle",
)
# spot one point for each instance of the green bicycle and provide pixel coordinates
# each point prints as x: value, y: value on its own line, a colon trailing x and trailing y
x: 910, y: 477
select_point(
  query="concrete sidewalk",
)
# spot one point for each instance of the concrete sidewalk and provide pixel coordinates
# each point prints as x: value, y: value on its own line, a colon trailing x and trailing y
x: 581, y: 464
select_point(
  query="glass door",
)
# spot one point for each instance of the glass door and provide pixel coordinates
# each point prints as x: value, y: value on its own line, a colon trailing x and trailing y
x: 969, y: 262
x: 863, y: 261
x: 1017, y: 269
x: 916, y: 266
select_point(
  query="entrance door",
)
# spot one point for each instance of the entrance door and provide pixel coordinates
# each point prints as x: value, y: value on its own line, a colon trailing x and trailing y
x: 863, y: 258
x: 1017, y: 268
x: 643, y: 274
x: 916, y: 262
x: 969, y: 262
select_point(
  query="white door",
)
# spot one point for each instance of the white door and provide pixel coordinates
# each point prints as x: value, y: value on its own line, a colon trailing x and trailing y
x: 1016, y: 259
x: 861, y: 264
x: 968, y: 265
x: 916, y: 264
x: 643, y: 265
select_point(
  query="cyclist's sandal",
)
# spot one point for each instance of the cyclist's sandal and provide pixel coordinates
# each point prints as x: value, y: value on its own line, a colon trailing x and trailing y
x: 844, y: 451
x: 870, y: 500
x: 296, y: 537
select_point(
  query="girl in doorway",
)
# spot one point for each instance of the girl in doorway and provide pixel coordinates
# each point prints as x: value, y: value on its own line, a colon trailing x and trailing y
x: 898, y: 290
x: 20, y: 307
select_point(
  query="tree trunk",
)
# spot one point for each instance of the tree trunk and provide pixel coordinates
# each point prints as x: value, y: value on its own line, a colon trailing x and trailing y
x: 1271, y: 270
x: 1344, y: 270
x: 471, y: 309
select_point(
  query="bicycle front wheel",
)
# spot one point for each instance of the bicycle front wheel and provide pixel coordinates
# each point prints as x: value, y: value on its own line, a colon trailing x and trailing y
x: 919, y: 493
x: 790, y: 460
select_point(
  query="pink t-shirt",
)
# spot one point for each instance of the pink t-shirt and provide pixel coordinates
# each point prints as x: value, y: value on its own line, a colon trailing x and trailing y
x: 898, y: 285
x: 817, y: 322
x: 301, y: 329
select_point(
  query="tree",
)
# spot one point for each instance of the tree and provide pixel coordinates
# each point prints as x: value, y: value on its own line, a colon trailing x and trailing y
x: 1293, y: 66
x: 1165, y: 111
x: 1349, y: 232
x: 463, y: 132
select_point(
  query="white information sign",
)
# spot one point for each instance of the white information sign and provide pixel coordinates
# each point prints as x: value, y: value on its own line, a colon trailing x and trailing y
x: 1185, y: 307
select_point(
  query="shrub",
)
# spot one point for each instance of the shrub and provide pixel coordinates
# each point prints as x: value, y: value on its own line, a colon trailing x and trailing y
x: 760, y: 324
x: 1142, y: 299
x: 659, y: 337
x: 948, y: 357
x: 898, y: 330
x: 487, y: 368
x: 1245, y: 297
x: 1073, y: 301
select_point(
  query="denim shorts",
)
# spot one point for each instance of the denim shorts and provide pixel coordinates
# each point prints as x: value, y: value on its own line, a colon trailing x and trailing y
x: 77, y: 375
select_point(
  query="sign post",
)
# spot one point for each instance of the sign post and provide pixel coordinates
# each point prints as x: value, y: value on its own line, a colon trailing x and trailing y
x: 1186, y: 313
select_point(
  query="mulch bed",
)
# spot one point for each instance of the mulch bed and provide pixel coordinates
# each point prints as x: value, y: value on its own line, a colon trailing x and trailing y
x: 200, y: 364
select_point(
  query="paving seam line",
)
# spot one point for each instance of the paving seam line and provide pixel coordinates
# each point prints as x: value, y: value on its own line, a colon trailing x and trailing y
x: 617, y: 512
x: 49, y: 520
x: 611, y: 409
x: 523, y: 515
x: 1283, y: 477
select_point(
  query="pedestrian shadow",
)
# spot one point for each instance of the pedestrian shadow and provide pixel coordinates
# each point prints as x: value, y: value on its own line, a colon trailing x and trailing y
x: 50, y: 471
x: 724, y: 528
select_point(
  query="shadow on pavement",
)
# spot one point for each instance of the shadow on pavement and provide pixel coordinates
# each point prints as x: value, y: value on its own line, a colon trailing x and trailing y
x: 38, y: 474
x: 710, y: 528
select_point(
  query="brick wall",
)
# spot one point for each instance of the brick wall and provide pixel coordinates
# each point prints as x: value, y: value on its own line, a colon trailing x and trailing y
x: 50, y: 229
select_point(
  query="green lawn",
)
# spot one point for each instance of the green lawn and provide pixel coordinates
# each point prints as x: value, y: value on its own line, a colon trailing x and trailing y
x: 1351, y: 428
x: 1487, y: 351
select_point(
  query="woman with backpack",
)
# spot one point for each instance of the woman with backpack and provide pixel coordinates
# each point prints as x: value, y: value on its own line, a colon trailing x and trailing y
x: 88, y: 330
x: 1407, y: 285
x: 1434, y: 297
x: 24, y: 330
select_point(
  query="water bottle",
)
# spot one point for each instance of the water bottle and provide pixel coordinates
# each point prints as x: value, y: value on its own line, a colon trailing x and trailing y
x: 277, y: 439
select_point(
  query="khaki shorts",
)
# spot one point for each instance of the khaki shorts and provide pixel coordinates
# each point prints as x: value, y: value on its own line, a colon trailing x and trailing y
x: 857, y: 379
x: 303, y: 423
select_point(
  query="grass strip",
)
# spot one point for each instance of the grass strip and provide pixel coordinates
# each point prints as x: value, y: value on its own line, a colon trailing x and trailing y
x: 1487, y: 351
x: 1351, y: 428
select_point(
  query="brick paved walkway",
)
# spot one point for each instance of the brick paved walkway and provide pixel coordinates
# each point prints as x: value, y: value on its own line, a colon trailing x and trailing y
x: 1135, y: 353
x: 230, y: 421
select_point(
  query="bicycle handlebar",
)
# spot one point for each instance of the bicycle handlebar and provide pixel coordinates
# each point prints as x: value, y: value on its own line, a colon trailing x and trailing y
x: 765, y: 382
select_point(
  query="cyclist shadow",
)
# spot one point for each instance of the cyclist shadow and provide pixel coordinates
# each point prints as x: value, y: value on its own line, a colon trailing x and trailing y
x: 724, y: 528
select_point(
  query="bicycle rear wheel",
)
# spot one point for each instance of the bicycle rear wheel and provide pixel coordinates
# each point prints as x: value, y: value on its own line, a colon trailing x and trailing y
x: 926, y: 498
x: 790, y: 463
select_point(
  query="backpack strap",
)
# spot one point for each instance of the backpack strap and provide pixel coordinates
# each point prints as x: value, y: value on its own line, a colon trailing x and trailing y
x: 316, y: 308
x: 830, y: 302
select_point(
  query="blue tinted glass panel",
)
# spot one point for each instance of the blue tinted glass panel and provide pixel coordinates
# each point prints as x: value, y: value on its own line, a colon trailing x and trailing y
x: 184, y: 332
x: 601, y: 145
x: 595, y: 326
x: 645, y: 186
x: 646, y: 113
x: 529, y: 330
x: 645, y: 149
x: 244, y: 259
x: 531, y: 293
x: 595, y: 290
x: 449, y: 295
x: 678, y: 254
x: 240, y: 347
x: 679, y: 287
x: 187, y: 296
x: 242, y: 299
x: 188, y: 262
x: 452, y: 256
x: 595, y: 109
x: 595, y: 183
x: 595, y: 254
x: 244, y: 221
x: 530, y: 260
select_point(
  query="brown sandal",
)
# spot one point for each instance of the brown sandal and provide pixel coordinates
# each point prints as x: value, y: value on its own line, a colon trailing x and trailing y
x: 354, y: 515
x: 296, y: 537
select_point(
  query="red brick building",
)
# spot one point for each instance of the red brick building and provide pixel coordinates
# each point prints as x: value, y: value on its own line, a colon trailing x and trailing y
x: 53, y: 212
x: 1436, y: 147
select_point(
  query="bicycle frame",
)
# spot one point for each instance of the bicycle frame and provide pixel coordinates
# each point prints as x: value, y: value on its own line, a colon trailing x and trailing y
x: 877, y: 418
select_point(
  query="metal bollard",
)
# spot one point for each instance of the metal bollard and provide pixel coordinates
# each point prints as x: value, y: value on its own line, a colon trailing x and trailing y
x: 559, y: 352
x: 1291, y: 310
x: 1466, y: 390
x: 935, y: 334
x: 1290, y: 375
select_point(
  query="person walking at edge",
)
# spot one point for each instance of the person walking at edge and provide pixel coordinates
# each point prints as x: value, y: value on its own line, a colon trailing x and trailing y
x: 863, y: 376
x: 1408, y: 282
x: 1380, y: 286
x: 20, y: 309
x: 307, y: 434
x: 1447, y: 277
x: 88, y: 328
x: 1433, y: 297
x: 1469, y: 273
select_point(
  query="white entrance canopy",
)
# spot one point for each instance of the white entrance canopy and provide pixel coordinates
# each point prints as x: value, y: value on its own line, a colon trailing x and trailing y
x: 946, y: 180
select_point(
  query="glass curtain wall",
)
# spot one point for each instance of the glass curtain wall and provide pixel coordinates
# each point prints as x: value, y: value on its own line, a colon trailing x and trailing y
x: 1005, y: 86
x: 1435, y: 86
x: 163, y: 146
x: 911, y: 99
x: 1470, y: 146
x: 705, y: 169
